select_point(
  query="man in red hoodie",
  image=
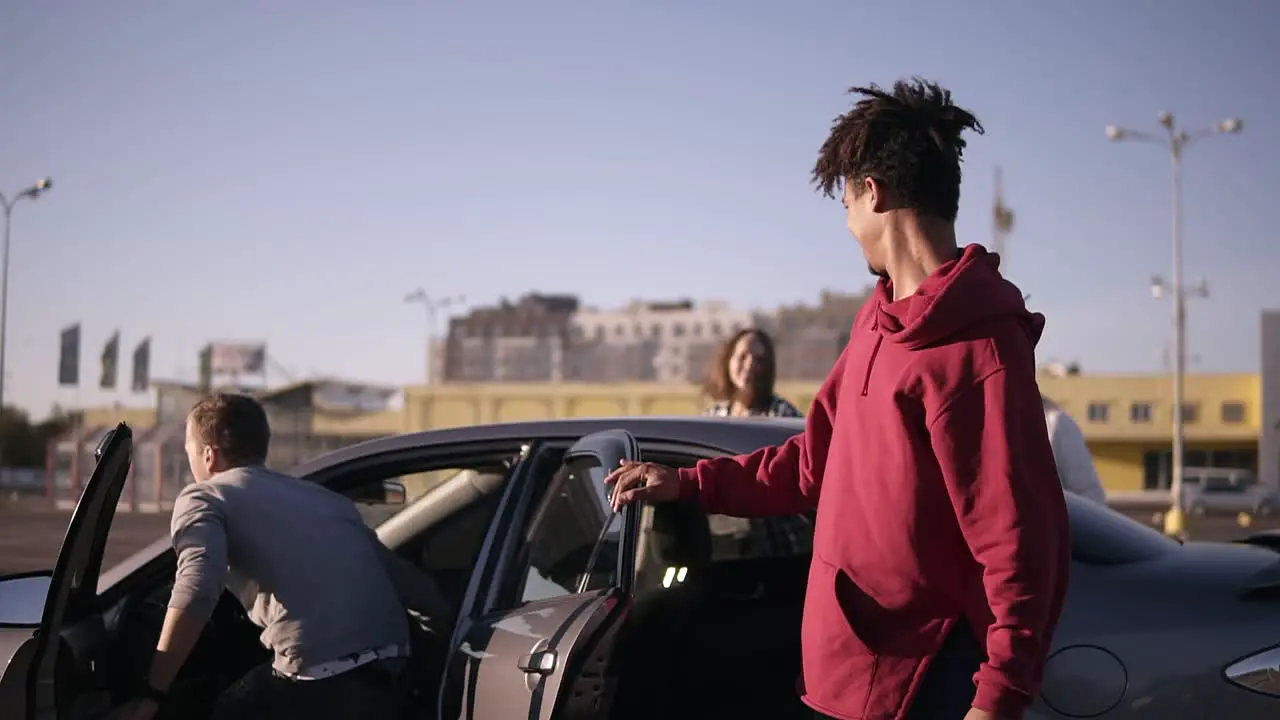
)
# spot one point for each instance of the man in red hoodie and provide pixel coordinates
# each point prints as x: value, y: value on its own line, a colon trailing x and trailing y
x: 941, y: 545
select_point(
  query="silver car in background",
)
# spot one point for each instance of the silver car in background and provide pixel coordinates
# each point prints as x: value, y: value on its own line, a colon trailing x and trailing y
x: 1226, y: 491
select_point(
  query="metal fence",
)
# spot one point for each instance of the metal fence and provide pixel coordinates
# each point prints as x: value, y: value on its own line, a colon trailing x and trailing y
x: 160, y: 467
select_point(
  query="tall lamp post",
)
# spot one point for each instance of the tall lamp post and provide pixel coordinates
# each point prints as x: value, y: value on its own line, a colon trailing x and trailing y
x: 1175, y: 140
x: 433, y: 305
x: 41, y: 186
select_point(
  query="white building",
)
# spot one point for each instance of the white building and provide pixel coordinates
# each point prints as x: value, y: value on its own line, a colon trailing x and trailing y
x: 663, y: 341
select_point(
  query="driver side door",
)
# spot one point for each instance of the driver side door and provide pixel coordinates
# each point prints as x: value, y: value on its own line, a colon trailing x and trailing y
x: 40, y: 678
x: 564, y: 567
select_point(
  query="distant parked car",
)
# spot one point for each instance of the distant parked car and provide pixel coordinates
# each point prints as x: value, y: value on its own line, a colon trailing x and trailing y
x: 1213, y: 491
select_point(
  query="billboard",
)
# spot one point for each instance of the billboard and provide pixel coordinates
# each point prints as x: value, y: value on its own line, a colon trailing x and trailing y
x: 237, y: 358
x: 352, y: 397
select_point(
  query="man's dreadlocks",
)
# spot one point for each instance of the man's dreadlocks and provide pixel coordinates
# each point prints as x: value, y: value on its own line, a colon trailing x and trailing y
x: 908, y: 140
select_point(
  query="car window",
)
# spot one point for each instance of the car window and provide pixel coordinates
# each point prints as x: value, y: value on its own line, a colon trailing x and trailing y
x: 747, y: 538
x: 450, y: 547
x: 1102, y: 536
x: 380, y: 498
x: 735, y: 538
x: 563, y: 531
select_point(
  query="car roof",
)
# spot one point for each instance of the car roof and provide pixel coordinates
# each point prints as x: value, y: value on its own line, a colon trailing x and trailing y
x: 731, y: 435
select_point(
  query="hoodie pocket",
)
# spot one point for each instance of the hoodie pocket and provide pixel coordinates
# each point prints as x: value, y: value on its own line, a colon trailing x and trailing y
x: 839, y: 667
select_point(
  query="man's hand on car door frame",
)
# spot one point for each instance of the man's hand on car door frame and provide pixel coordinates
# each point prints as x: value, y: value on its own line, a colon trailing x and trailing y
x: 642, y: 482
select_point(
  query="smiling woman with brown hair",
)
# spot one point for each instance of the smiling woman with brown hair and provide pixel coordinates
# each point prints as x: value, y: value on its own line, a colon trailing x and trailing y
x: 743, y: 376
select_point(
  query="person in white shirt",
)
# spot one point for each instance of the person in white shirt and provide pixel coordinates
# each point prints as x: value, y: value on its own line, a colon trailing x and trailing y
x: 1071, y: 454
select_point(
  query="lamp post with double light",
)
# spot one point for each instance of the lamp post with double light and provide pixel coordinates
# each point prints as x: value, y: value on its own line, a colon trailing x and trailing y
x: 1175, y: 140
x: 40, y: 187
x: 433, y: 306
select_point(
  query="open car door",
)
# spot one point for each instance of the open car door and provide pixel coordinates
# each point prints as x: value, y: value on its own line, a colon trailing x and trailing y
x: 41, y: 678
x: 564, y: 568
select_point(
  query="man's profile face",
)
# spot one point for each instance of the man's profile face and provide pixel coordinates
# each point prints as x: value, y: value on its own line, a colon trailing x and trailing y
x: 864, y: 223
x: 200, y: 457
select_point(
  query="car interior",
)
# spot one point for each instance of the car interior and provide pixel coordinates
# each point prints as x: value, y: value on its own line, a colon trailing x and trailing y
x: 701, y: 631
x: 715, y: 638
x: 443, y: 532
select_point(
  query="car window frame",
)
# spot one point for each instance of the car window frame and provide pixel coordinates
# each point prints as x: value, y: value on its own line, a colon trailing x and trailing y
x: 535, y: 481
x: 160, y: 567
x: 513, y: 595
x: 558, y: 623
x: 662, y: 450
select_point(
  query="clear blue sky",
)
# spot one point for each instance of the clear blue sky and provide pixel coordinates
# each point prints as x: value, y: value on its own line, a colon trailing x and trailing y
x: 289, y: 170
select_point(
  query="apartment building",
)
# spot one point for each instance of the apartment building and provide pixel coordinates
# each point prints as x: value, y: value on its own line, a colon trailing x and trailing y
x: 521, y: 341
x: 671, y: 342
x: 810, y: 338
x: 544, y: 338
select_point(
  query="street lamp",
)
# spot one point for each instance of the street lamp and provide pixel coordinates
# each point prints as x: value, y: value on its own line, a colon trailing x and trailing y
x: 1175, y: 141
x: 432, y: 305
x: 40, y: 187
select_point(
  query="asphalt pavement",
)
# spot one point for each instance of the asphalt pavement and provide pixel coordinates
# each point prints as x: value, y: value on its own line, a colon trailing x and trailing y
x: 30, y: 538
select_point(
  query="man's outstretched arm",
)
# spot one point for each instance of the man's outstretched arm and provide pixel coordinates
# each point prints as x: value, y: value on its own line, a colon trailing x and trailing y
x: 780, y: 480
x: 200, y: 542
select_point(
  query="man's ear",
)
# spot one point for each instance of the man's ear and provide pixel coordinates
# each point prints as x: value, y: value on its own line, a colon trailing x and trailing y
x: 880, y: 201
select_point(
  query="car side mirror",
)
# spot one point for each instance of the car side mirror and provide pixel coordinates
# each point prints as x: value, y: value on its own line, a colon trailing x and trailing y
x: 393, y: 492
x: 22, y: 598
x: 387, y: 492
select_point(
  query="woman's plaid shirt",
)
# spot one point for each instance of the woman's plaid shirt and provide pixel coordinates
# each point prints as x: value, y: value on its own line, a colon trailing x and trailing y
x: 774, y: 536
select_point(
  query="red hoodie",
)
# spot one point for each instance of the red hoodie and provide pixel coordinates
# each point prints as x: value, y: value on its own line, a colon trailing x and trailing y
x: 927, y: 457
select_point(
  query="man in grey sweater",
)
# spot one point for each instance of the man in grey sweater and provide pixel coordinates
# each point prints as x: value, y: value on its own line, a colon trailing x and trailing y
x: 330, y: 597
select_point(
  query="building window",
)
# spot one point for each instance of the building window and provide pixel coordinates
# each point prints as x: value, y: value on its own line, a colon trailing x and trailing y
x: 1140, y: 412
x: 1098, y: 412
x: 1233, y: 412
x: 656, y: 330
x: 697, y: 330
x: 1190, y: 412
x: 677, y: 329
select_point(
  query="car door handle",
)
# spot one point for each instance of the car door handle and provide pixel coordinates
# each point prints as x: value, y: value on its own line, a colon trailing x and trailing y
x: 542, y: 662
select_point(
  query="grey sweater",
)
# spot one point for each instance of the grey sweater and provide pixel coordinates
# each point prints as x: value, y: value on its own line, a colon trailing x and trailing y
x: 301, y: 560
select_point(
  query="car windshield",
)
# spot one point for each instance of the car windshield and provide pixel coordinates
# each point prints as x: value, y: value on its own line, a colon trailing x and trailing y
x: 1102, y: 536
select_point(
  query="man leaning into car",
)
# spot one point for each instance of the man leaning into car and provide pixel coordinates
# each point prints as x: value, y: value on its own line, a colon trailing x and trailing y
x: 329, y: 596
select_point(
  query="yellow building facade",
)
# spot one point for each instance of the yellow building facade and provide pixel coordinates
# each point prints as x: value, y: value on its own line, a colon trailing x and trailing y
x: 1128, y: 423
x: 1127, y: 419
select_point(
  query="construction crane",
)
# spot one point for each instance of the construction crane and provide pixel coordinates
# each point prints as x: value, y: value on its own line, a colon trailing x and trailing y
x: 1002, y: 223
